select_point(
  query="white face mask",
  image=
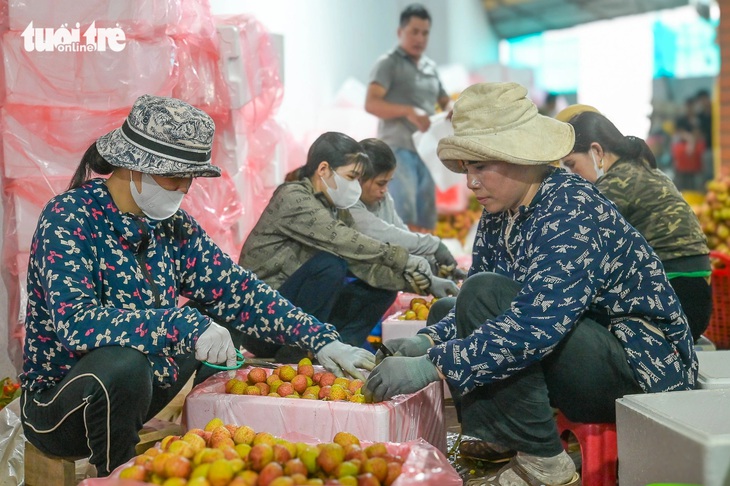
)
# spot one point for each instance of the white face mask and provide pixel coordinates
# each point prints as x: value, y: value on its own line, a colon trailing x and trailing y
x: 345, y: 194
x: 155, y: 201
x: 599, y: 170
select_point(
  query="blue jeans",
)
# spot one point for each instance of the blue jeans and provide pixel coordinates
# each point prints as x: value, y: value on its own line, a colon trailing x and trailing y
x: 413, y: 190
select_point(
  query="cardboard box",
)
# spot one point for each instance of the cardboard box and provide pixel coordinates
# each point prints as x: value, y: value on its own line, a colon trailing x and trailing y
x: 674, y: 437
x: 403, y: 418
x: 714, y: 369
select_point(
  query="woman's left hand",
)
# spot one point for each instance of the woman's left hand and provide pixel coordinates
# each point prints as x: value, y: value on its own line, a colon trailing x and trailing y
x: 397, y: 375
x: 341, y: 359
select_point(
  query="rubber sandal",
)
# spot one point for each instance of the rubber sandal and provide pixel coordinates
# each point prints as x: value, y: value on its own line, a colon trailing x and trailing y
x: 522, y: 474
x: 480, y: 450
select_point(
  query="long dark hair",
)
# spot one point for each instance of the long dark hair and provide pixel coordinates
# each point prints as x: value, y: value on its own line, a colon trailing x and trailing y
x: 382, y: 158
x: 91, y: 163
x: 593, y: 127
x: 337, y: 149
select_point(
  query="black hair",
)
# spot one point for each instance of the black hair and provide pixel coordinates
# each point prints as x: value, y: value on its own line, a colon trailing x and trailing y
x: 382, y: 158
x: 593, y: 127
x: 337, y: 149
x: 91, y: 163
x: 413, y: 10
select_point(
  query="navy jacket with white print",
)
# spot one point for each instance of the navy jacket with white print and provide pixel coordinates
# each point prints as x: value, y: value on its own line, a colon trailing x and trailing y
x: 99, y: 277
x: 573, y: 253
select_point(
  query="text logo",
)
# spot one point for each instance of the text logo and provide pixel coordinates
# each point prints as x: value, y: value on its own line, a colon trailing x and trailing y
x: 63, y: 39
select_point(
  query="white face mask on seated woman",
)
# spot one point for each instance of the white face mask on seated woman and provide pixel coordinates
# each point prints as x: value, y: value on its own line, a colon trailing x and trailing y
x: 155, y: 201
x: 345, y: 193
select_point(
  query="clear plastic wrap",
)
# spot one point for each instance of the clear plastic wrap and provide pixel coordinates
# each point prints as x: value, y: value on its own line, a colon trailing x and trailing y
x: 12, y: 445
x: 424, y: 465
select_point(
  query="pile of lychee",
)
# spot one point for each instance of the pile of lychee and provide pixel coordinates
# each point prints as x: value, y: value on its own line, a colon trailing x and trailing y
x: 230, y: 455
x: 303, y: 382
x: 417, y: 310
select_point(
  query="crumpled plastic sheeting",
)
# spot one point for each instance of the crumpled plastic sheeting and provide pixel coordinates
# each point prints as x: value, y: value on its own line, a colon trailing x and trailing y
x: 136, y: 17
x: 424, y: 465
x: 93, y: 80
x: 403, y: 418
x: 47, y: 141
x: 12, y: 445
x: 214, y: 203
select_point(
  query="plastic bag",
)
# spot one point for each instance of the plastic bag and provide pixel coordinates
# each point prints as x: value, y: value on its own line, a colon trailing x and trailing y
x: 12, y: 445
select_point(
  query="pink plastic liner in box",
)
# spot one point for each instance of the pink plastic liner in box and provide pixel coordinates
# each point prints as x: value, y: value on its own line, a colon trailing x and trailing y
x: 403, y: 418
x: 424, y: 465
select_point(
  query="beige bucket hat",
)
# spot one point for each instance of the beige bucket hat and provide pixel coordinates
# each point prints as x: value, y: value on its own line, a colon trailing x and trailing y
x: 496, y: 121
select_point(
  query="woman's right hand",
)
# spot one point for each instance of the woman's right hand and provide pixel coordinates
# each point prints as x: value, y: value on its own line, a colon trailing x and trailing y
x: 341, y: 359
x: 215, y: 346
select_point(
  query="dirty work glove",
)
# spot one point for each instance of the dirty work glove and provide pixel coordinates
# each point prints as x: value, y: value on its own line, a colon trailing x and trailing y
x: 442, y: 287
x: 418, y: 272
x: 398, y: 375
x: 215, y: 346
x: 444, y: 257
x: 341, y: 358
x: 416, y: 345
x: 459, y: 274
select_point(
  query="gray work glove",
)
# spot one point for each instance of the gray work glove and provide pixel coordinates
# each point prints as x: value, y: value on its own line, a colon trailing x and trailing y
x: 215, y: 346
x: 442, y: 287
x: 444, y: 257
x: 416, y: 345
x: 398, y: 375
x: 418, y: 273
x: 341, y: 359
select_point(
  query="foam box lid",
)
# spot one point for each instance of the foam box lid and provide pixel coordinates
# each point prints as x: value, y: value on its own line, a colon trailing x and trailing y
x: 701, y: 415
x: 714, y: 369
x: 400, y: 419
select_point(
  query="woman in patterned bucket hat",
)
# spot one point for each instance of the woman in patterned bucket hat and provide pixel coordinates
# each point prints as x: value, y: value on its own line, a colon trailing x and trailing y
x: 566, y: 305
x: 106, y: 344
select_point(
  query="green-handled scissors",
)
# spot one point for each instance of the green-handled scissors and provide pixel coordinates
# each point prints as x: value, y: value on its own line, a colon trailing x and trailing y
x: 241, y: 361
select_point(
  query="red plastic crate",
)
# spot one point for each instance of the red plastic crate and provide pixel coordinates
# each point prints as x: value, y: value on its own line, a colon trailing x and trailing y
x: 719, y: 329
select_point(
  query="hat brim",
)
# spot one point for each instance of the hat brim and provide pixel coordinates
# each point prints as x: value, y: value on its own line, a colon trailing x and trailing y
x: 117, y: 150
x: 540, y: 141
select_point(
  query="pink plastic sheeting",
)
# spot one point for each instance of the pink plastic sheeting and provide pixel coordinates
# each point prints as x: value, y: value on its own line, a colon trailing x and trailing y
x: 42, y: 141
x: 424, y: 465
x: 215, y: 204
x: 403, y: 418
x: 135, y: 17
x: 93, y: 80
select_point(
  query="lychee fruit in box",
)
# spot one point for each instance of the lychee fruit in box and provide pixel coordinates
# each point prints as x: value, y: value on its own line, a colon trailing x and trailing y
x: 400, y: 419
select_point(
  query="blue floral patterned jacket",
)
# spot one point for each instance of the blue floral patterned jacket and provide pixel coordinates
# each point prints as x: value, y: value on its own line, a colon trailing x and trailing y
x: 573, y: 252
x: 98, y: 277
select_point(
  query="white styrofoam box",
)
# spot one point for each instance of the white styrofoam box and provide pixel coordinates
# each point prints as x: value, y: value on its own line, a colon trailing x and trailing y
x: 134, y: 16
x: 714, y: 369
x: 95, y: 80
x: 235, y: 67
x: 400, y: 419
x: 393, y: 327
x: 674, y: 437
x: 49, y: 141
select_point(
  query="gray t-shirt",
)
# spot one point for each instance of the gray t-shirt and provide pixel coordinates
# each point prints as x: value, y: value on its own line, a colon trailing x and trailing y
x: 408, y: 84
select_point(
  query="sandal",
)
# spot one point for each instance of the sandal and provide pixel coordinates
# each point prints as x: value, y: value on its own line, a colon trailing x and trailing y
x: 522, y: 473
x: 480, y: 450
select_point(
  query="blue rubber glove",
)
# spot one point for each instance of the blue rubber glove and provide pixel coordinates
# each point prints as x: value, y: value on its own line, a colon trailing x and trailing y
x: 412, y: 346
x: 398, y: 375
x: 341, y: 359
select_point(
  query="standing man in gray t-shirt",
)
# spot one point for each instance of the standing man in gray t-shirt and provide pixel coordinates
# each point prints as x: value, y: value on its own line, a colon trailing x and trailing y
x: 403, y: 92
